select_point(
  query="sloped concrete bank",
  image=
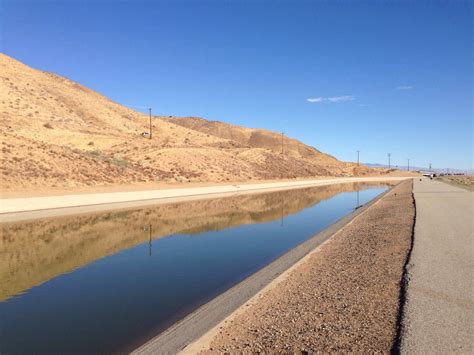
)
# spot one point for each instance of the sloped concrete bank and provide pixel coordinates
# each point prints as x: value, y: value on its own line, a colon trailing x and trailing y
x: 17, y: 209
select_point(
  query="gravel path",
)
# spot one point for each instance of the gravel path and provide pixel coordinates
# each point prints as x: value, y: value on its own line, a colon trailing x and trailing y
x: 344, y: 298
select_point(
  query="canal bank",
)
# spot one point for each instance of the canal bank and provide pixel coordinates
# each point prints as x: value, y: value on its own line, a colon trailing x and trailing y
x: 229, y: 322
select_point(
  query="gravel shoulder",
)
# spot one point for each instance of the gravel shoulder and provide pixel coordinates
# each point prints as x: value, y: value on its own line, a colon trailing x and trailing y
x: 342, y: 297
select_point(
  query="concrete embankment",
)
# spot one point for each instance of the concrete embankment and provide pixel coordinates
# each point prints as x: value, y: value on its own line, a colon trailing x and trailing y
x: 15, y: 209
x: 342, y: 296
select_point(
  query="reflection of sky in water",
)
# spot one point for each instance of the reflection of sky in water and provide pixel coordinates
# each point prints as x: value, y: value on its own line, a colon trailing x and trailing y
x: 121, y: 300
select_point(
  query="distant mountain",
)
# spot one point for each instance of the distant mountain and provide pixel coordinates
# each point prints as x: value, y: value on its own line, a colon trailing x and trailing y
x: 58, y: 133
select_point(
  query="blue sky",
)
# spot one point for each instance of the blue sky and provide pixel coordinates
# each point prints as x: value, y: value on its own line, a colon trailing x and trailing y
x: 373, y: 76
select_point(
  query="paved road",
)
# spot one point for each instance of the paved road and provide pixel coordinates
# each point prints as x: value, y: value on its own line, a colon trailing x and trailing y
x: 439, y: 309
x: 14, y: 209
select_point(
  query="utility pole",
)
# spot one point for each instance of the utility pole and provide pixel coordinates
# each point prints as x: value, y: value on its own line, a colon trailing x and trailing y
x: 150, y: 122
x: 282, y: 211
x: 408, y: 164
x: 282, y: 134
x: 281, y: 170
x: 389, y: 160
x: 149, y: 241
x: 430, y: 167
x: 358, y: 157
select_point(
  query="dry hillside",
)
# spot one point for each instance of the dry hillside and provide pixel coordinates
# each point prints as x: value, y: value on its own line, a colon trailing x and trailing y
x: 57, y: 133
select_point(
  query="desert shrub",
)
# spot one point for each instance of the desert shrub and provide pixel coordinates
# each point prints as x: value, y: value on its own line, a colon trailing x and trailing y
x: 122, y: 163
x: 47, y: 125
x: 117, y: 161
x: 95, y: 153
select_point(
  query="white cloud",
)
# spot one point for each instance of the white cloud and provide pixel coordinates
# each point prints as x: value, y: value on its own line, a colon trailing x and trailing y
x: 315, y: 99
x: 404, y: 87
x: 342, y: 98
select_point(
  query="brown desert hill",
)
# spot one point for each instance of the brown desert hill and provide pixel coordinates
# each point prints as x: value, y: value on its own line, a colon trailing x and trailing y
x: 57, y: 133
x: 256, y: 138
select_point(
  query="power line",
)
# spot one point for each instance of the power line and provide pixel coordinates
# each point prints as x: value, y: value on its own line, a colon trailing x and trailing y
x: 150, y: 123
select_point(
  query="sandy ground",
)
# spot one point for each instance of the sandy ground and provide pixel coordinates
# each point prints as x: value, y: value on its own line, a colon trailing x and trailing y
x: 463, y: 181
x: 439, y: 309
x: 343, y: 298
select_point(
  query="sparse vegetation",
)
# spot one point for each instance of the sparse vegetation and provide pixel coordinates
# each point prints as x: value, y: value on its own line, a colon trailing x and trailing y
x: 95, y: 153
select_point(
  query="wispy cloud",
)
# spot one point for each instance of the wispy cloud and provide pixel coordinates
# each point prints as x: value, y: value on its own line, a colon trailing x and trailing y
x: 315, y: 99
x: 404, y: 87
x: 343, y: 98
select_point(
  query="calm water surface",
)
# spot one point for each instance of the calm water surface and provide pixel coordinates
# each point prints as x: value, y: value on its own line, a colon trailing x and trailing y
x: 108, y: 282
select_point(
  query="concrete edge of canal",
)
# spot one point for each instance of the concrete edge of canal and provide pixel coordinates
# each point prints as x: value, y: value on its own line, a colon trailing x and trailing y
x: 22, y: 209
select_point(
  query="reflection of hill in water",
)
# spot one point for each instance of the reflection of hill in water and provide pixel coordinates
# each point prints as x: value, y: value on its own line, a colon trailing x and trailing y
x: 34, y: 252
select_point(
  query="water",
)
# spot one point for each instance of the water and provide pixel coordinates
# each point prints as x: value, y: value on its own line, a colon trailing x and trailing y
x: 108, y: 282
